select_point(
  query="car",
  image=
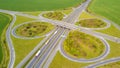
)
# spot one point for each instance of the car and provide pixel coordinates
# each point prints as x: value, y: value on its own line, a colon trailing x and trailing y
x: 55, y: 32
x: 47, y: 42
x: 38, y: 53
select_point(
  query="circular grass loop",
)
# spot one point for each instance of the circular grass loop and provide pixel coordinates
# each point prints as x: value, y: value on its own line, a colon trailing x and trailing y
x: 55, y: 15
x: 92, y: 23
x: 33, y: 29
x: 81, y: 45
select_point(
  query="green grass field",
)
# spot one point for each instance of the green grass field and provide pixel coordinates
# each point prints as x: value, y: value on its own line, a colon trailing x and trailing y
x: 81, y: 45
x: 37, y: 5
x: 4, y: 20
x: 107, y: 8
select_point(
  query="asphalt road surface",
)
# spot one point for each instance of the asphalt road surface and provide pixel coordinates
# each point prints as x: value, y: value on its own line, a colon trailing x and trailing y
x: 103, y: 62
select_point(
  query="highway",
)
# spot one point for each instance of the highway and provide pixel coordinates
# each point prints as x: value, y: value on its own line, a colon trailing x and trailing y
x: 48, y: 50
x: 70, y: 19
x: 53, y: 53
x: 26, y: 59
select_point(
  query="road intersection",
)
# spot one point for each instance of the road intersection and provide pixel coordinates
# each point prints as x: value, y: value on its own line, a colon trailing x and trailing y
x: 50, y: 49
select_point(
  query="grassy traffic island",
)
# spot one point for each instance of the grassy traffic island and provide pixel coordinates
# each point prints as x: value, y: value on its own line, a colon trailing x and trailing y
x: 81, y: 45
x: 54, y: 15
x: 34, y: 29
x: 91, y: 23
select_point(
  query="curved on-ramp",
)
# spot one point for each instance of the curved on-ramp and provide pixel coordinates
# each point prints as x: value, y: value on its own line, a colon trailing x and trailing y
x: 8, y: 39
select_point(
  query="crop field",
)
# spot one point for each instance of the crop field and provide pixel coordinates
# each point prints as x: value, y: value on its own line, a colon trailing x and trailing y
x: 78, y: 46
x: 37, y: 5
x: 4, y: 20
x: 107, y: 8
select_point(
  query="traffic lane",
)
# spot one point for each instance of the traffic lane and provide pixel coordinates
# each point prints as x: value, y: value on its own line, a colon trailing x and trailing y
x: 31, y: 63
x: 56, y: 48
x: 103, y: 62
x: 50, y: 48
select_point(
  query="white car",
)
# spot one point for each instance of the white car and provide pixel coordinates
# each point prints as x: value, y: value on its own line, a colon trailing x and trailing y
x: 37, y: 53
